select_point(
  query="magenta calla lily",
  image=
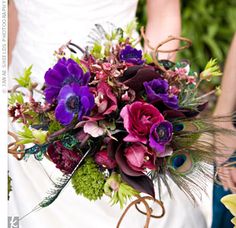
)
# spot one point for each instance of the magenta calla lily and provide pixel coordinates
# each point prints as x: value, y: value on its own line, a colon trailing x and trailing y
x: 139, y: 158
x: 106, y: 101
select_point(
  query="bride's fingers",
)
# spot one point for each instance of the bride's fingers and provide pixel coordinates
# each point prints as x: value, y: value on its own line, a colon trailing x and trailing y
x: 233, y: 178
x: 225, y: 178
x: 229, y: 183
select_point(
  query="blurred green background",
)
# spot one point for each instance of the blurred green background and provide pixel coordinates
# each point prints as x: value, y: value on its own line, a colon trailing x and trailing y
x: 210, y: 24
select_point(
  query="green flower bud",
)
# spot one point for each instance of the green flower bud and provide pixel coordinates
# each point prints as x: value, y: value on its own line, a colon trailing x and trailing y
x: 119, y: 191
x: 211, y: 70
x: 39, y: 136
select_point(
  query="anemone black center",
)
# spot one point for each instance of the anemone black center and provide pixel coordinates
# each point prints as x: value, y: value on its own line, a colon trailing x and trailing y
x: 159, y: 89
x: 73, y: 103
x: 131, y: 56
x: 162, y: 133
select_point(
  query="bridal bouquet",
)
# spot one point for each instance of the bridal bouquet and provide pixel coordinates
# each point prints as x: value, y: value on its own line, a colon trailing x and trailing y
x: 116, y: 120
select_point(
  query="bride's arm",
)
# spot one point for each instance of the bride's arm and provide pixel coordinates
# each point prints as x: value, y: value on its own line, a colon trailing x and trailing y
x: 163, y: 20
x: 226, y: 105
x: 12, y: 28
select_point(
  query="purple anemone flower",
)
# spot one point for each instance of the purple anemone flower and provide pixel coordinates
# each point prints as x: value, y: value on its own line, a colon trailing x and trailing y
x: 160, y: 135
x: 73, y: 99
x: 64, y: 72
x: 131, y: 55
x: 157, y: 89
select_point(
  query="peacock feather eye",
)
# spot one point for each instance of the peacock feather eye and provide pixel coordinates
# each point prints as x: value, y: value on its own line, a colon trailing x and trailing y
x: 178, y: 161
x: 178, y: 127
x: 181, y: 162
x: 186, y: 126
x: 192, y: 127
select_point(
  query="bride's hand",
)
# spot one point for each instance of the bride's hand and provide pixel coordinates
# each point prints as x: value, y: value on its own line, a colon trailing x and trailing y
x: 226, y: 145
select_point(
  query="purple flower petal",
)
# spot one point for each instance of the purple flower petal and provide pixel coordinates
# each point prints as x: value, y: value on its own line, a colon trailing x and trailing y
x: 131, y: 55
x: 51, y: 93
x: 160, y: 136
x: 86, y: 107
x: 64, y: 72
x: 73, y: 99
x: 83, y: 91
x: 170, y: 101
x: 62, y: 114
x: 75, y: 70
x: 53, y: 78
x: 61, y: 67
x: 158, y: 89
x: 86, y: 78
x: 65, y: 92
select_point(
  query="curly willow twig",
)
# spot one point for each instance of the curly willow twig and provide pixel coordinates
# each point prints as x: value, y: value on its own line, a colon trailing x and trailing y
x: 13, y: 147
x: 148, y: 212
x: 156, y: 49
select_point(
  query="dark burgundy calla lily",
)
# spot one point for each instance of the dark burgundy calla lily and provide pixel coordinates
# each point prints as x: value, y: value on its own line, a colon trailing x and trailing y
x: 130, y: 72
x: 140, y: 183
x: 181, y: 113
x: 136, y: 76
x: 138, y: 180
x: 192, y: 113
x: 102, y: 158
x: 122, y: 162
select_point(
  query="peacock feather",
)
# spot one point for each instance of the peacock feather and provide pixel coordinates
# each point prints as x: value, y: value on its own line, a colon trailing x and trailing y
x: 58, y: 186
x: 194, y: 153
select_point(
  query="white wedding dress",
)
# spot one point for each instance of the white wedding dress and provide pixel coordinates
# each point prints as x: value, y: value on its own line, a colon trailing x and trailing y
x: 44, y: 26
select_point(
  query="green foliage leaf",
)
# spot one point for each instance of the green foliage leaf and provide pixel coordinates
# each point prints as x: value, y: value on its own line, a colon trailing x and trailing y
x: 24, y: 80
x: 54, y: 126
x: 75, y: 58
x: 130, y: 28
x: 97, y: 50
x: 31, y: 136
x: 148, y: 58
x: 26, y: 136
x: 16, y: 98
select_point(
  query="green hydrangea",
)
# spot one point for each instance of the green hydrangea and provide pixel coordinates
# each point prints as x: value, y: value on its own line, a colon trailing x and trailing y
x: 89, y: 181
